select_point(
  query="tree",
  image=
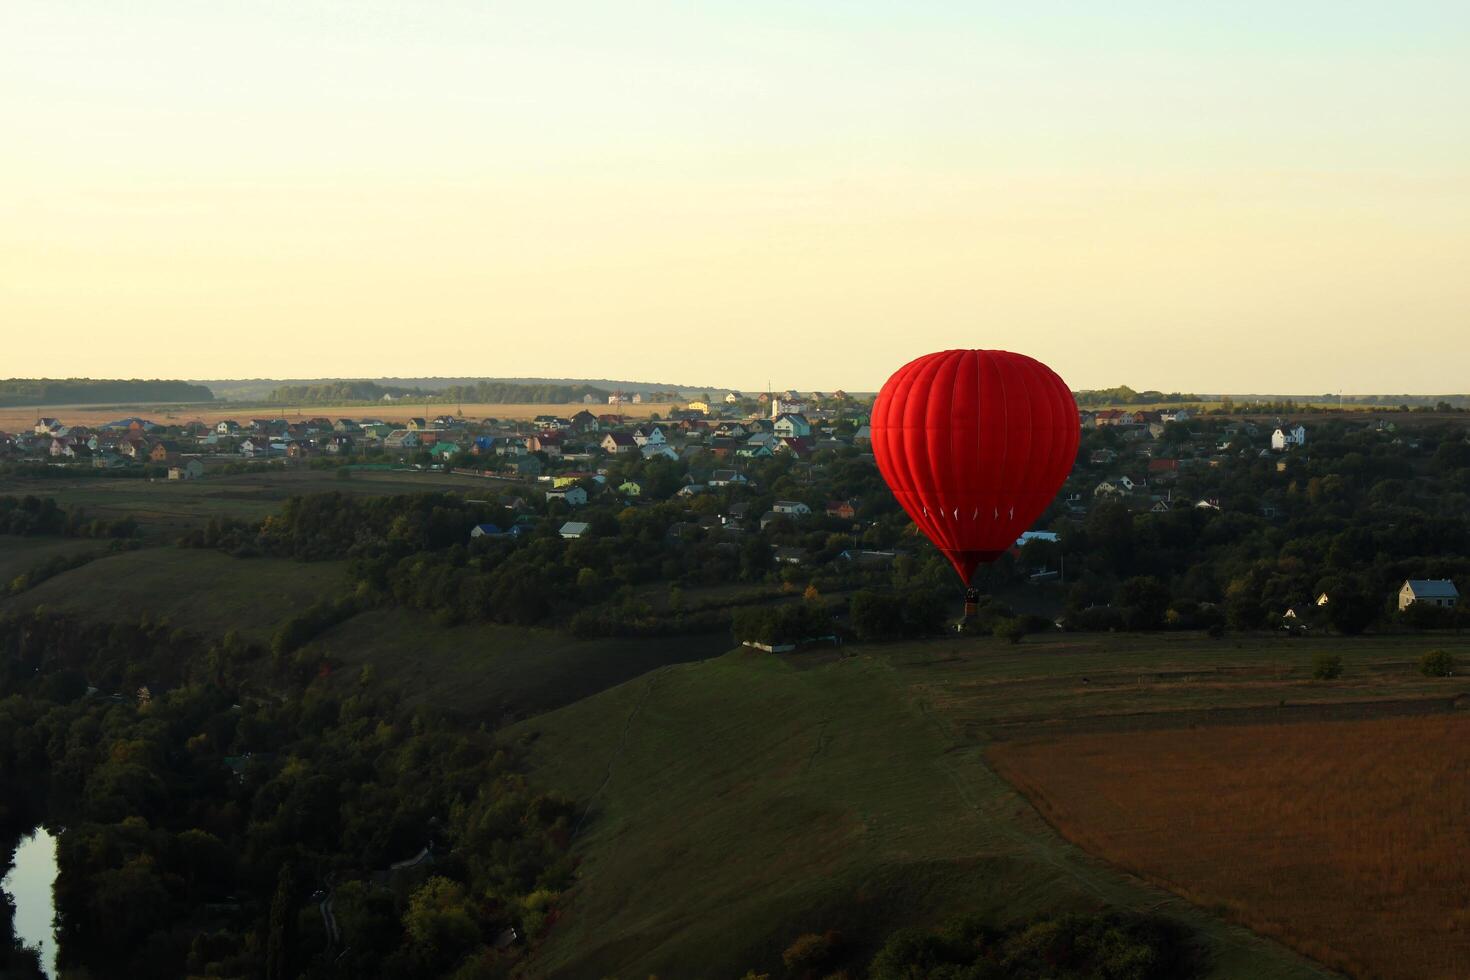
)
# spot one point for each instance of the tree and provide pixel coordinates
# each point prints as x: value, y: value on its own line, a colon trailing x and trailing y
x: 1326, y: 666
x: 811, y: 953
x: 281, y: 941
x: 1351, y: 612
x: 1437, y: 663
x: 1144, y: 600
x: 1012, y: 630
x: 439, y: 919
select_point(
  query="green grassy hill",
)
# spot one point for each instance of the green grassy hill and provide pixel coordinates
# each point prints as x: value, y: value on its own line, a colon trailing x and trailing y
x: 204, y: 591
x: 496, y: 671
x: 739, y: 802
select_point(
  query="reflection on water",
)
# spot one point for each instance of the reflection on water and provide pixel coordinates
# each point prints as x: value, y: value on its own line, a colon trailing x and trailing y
x: 29, y: 885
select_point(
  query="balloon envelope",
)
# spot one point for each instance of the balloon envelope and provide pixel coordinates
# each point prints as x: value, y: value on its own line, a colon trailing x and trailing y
x: 974, y: 444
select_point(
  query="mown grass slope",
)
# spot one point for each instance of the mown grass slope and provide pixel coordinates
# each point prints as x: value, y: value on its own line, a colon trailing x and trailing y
x: 493, y: 670
x: 204, y: 591
x: 21, y: 555
x: 739, y: 802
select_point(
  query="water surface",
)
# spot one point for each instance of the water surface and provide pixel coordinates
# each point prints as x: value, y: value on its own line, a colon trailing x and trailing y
x: 29, y: 886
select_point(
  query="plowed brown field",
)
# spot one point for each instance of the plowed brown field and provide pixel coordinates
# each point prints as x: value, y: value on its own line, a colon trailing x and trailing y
x: 1345, y: 840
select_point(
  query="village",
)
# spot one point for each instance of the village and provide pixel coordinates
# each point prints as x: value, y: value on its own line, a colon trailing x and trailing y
x: 780, y: 467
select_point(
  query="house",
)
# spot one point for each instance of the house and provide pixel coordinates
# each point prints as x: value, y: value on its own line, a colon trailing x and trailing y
x: 1163, y: 467
x: 338, y: 445
x: 574, y: 529
x: 444, y: 450
x: 486, y: 531
x: 1322, y: 599
x: 192, y: 470
x: 731, y: 397
x: 527, y: 466
x: 1431, y: 592
x: 1050, y: 537
x: 1116, y: 487
x: 298, y: 450
x: 227, y: 427
x: 868, y: 559
x: 800, y: 447
x: 842, y: 509
x: 701, y: 407
x: 1102, y: 457
x: 257, y: 447
x: 615, y: 443
x: 161, y: 452
x: 792, y: 426
x: 794, y: 508
x: 583, y: 421
x: 630, y: 489
x: 417, y: 424
x: 573, y: 496
x: 402, y: 439
x: 650, y: 435
x: 728, y: 478
x: 1287, y: 436
x: 1209, y: 503
x: 786, y: 555
x: 545, y: 442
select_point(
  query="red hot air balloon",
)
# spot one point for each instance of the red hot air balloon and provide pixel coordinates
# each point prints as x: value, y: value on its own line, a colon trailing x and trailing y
x: 974, y: 444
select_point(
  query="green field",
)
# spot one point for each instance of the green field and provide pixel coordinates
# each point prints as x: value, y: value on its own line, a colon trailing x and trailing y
x: 497, y: 671
x: 738, y: 802
x: 20, y: 555
x: 164, y: 508
x: 197, y: 590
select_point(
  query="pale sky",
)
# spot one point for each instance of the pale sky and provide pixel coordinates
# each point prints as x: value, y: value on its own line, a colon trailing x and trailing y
x: 1244, y: 196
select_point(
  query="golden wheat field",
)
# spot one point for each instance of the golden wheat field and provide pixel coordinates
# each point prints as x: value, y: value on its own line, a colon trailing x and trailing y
x: 13, y: 419
x: 1345, y: 840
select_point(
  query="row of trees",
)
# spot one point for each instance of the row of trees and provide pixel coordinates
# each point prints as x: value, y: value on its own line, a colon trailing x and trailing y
x: 31, y: 516
x: 87, y: 391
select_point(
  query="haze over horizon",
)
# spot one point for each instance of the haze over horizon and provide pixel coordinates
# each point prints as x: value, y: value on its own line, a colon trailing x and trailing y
x: 1249, y: 199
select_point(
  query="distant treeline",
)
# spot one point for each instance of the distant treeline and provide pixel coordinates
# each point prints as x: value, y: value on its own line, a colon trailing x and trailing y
x: 85, y: 391
x: 491, y: 392
x: 337, y: 391
x: 1124, y: 395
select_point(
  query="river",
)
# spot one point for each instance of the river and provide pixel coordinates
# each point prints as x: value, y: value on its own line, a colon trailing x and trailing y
x: 29, y: 885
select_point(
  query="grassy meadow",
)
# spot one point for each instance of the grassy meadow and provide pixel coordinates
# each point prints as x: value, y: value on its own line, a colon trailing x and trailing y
x: 1339, y: 838
x: 492, y: 670
x: 164, y: 508
x: 204, y: 591
x: 736, y: 803
x: 20, y: 555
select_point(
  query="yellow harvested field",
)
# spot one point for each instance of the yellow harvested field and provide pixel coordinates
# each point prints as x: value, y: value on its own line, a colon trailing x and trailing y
x: 1344, y: 840
x: 14, y: 419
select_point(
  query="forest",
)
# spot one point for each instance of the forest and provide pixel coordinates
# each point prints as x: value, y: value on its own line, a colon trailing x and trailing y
x: 480, y: 392
x: 86, y: 391
x: 221, y: 788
